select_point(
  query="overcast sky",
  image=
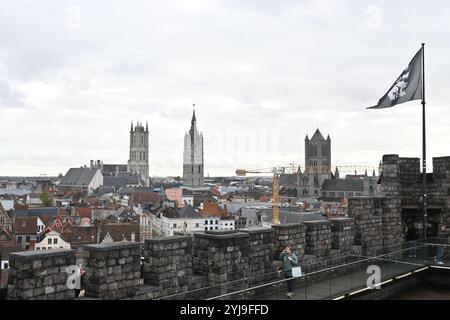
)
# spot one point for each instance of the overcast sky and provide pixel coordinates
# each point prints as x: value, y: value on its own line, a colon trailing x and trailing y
x: 263, y: 74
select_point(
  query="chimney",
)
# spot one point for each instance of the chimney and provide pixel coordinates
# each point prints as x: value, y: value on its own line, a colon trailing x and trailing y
x: 92, y: 164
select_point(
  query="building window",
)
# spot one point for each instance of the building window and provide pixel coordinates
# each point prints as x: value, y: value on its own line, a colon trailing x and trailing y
x: 206, y: 221
x: 196, y: 225
x: 210, y: 228
x: 217, y: 228
x: 19, y: 239
x: 206, y: 228
x: 174, y: 225
x: 55, y: 241
x: 28, y: 239
x: 217, y: 221
x: 49, y: 241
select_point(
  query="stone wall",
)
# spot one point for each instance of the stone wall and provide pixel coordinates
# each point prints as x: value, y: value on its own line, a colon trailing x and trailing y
x: 391, y: 220
x: 440, y: 192
x: 343, y: 234
x: 40, y: 275
x: 113, y: 270
x: 168, y: 264
x: 368, y: 226
x: 289, y: 234
x: 410, y: 181
x: 260, y: 254
x: 223, y: 257
x: 318, y: 238
x: 402, y: 179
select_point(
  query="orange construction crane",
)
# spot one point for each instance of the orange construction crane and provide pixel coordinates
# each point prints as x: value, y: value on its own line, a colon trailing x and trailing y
x: 276, y: 171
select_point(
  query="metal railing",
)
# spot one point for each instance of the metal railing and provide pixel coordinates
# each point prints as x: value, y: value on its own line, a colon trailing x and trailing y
x: 328, y: 282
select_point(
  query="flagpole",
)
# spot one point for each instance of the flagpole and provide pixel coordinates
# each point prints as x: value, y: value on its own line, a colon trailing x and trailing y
x: 424, y: 150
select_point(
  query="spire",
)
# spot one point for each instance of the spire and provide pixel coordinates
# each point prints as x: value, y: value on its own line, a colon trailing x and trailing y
x: 317, y: 135
x: 336, y: 173
x: 365, y: 173
x: 373, y: 173
x: 146, y: 125
x: 131, y: 125
x: 307, y: 138
x: 194, y: 120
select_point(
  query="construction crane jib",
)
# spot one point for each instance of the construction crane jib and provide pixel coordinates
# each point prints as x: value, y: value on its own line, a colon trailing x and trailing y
x: 276, y: 171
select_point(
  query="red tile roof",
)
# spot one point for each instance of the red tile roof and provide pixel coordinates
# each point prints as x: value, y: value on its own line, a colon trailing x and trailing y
x: 26, y: 225
x: 84, y: 213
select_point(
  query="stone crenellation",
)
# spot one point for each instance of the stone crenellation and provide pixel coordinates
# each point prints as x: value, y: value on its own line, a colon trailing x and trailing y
x: 40, y: 275
x: 113, y: 270
x: 168, y: 264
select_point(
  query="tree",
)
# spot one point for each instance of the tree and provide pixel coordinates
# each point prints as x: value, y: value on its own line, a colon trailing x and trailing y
x: 46, y: 199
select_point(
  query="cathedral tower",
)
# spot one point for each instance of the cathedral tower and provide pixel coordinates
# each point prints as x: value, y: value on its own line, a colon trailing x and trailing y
x: 317, y: 165
x: 138, y: 163
x: 193, y: 156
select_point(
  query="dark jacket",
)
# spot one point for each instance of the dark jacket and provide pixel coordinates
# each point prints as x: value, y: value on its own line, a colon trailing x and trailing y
x: 288, y: 264
x: 411, y: 235
x: 442, y: 237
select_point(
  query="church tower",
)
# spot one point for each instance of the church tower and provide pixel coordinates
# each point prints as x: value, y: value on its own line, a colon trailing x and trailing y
x: 317, y: 165
x: 138, y: 162
x: 193, y: 156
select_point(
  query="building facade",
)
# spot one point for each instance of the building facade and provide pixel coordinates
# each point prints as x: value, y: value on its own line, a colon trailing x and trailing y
x: 6, y: 223
x: 81, y: 179
x: 317, y: 166
x: 51, y: 241
x: 139, y: 145
x: 175, y: 194
x: 193, y: 156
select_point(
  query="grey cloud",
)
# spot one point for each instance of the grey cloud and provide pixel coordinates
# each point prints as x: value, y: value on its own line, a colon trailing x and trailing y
x: 11, y: 97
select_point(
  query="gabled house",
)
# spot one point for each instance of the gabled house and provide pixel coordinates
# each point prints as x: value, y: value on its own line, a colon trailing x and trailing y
x: 34, y: 199
x: 5, y: 251
x: 6, y: 222
x: 52, y: 240
x: 28, y: 230
x: 81, y: 179
x: 119, y: 232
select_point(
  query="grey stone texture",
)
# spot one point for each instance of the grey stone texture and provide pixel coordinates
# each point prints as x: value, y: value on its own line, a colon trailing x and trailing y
x: 168, y: 263
x: 113, y: 270
x: 40, y: 275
